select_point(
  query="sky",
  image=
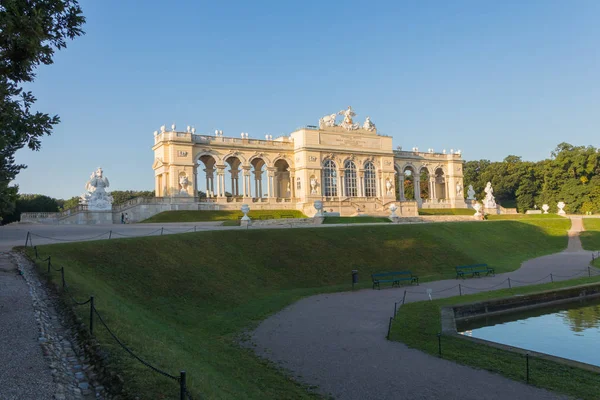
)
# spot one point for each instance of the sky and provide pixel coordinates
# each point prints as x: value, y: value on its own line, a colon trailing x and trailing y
x: 490, y: 78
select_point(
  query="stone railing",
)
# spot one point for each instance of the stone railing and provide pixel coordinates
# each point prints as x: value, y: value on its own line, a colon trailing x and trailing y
x: 284, y: 142
x: 424, y: 154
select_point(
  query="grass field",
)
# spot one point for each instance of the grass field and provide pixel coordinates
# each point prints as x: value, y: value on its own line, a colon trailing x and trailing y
x: 182, y: 301
x: 355, y: 220
x: 524, y: 216
x: 446, y: 211
x: 204, y: 216
x: 590, y: 238
x: 417, y: 325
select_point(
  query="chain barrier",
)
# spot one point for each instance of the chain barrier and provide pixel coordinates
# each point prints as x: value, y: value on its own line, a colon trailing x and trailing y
x: 30, y: 235
x: 127, y: 349
x: 184, y: 393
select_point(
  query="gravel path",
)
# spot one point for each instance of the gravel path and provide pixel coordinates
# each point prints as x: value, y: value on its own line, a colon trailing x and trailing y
x: 40, y: 358
x: 24, y: 373
x: 337, y: 341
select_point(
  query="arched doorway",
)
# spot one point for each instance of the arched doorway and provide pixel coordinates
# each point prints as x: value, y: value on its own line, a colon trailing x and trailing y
x: 440, y: 184
x: 409, y: 183
x: 259, y: 169
x: 281, y: 182
x: 206, y: 184
x: 425, y: 184
x: 232, y: 180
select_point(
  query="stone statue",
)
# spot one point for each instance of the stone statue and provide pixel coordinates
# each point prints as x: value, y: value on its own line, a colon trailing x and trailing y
x: 313, y: 185
x: 183, y: 182
x: 163, y: 129
x: 389, y: 186
x: 96, y: 198
x: 327, y: 121
x: 369, y: 125
x: 470, y: 193
x: 459, y: 189
x: 348, y: 123
x: 489, y: 201
x: 288, y: 188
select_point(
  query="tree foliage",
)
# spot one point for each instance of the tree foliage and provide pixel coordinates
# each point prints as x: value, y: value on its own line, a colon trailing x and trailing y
x: 30, y: 33
x: 572, y: 175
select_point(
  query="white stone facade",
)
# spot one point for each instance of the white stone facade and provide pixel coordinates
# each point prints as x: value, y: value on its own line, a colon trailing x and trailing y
x: 349, y: 166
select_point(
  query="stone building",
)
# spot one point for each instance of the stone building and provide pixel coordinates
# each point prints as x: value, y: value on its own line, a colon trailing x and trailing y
x: 350, y: 167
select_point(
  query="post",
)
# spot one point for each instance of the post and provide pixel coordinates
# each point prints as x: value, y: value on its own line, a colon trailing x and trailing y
x: 194, y: 228
x: 161, y: 231
x: 459, y: 290
x: 27, y: 240
x: 551, y: 278
x: 404, y: 297
x: 389, y: 328
x: 91, y: 315
x: 439, y: 335
x: 62, y: 275
x: 182, y: 387
x: 49, y: 263
x: 109, y: 234
x: 36, y: 253
x: 395, y: 308
x: 527, y: 361
x: 509, y: 285
x: 589, y: 272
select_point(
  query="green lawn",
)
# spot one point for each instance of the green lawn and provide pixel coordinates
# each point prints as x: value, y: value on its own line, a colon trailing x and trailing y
x: 525, y: 216
x: 417, y: 325
x: 590, y: 238
x: 204, y: 216
x: 446, y: 211
x: 355, y: 220
x: 182, y: 301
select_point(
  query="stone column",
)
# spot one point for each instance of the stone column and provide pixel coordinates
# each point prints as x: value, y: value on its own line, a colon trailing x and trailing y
x: 360, y: 176
x: 417, y: 184
x: 195, y: 194
x: 432, y: 191
x: 401, y: 186
x: 343, y: 184
x: 270, y: 174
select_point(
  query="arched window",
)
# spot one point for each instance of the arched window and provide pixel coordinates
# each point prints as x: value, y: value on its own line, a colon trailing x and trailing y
x: 370, y: 180
x: 350, y: 179
x: 329, y: 179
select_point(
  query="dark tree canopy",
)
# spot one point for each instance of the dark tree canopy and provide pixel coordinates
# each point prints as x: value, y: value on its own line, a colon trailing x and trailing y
x: 30, y: 33
x: 571, y: 175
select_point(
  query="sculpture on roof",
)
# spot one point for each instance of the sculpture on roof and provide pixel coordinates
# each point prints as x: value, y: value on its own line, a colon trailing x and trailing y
x: 369, y: 125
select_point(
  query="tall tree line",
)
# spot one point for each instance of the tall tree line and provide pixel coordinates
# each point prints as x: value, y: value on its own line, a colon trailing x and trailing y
x: 571, y: 174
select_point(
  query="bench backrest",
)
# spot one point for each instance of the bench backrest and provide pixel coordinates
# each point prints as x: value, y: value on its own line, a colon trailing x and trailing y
x: 384, y: 274
x: 472, y: 266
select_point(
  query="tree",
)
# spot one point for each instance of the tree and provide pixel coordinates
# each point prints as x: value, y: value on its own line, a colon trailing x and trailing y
x: 30, y: 33
x: 31, y: 203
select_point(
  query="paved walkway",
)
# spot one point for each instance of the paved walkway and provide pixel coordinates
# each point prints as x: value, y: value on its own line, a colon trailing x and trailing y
x: 24, y: 373
x: 337, y: 341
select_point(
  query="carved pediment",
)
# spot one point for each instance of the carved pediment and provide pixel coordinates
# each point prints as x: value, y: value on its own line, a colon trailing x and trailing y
x: 157, y: 163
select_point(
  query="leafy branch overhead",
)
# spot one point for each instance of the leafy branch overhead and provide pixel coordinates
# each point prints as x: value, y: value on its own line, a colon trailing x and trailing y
x: 30, y: 33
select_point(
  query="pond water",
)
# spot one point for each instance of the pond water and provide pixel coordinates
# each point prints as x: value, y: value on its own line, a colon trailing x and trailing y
x: 570, y: 330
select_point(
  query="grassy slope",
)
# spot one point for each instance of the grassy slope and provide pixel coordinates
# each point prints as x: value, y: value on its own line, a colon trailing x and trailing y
x: 203, y: 216
x: 354, y: 220
x: 417, y: 324
x: 181, y: 301
x: 446, y: 211
x: 590, y: 238
x: 525, y: 216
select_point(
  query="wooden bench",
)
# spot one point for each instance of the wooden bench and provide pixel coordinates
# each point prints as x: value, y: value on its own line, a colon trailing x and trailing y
x: 474, y: 270
x: 394, y: 277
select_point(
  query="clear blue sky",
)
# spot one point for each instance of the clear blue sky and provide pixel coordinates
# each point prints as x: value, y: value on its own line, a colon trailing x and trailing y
x: 490, y: 78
